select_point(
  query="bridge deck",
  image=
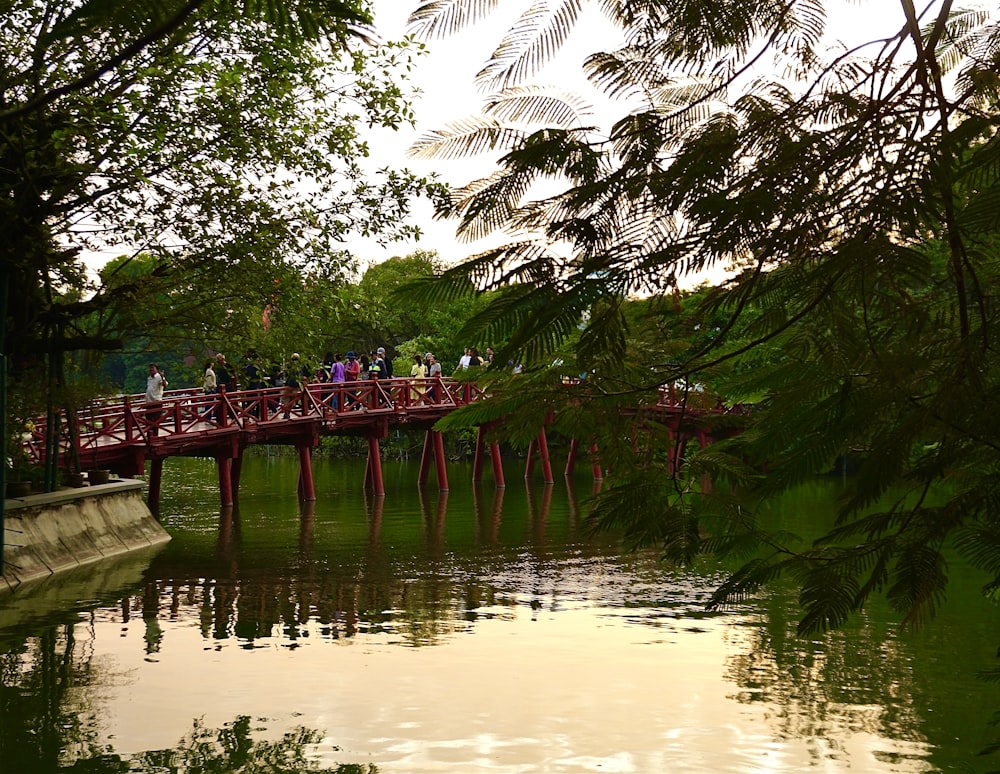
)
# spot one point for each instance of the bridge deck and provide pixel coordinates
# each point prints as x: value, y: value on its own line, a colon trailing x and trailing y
x: 121, y: 433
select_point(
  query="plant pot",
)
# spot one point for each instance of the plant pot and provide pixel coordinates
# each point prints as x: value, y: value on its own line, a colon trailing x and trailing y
x: 96, y: 477
x: 18, y: 488
x: 74, y: 480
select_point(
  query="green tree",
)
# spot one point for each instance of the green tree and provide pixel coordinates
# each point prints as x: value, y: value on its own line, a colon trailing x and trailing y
x: 853, y: 201
x: 382, y: 309
x: 189, y: 131
x: 221, y: 141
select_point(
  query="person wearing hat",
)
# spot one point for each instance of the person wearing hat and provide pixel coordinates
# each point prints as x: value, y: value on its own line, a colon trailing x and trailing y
x: 352, y: 370
x: 376, y: 366
x: 386, y: 372
x: 352, y: 367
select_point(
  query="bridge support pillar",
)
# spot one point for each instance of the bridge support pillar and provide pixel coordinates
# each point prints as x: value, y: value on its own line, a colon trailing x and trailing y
x: 235, y: 471
x: 439, y: 462
x: 373, y: 471
x: 543, y: 453
x: 540, y: 445
x: 498, y: 479
x: 595, y: 464
x: 224, y: 465
x: 571, y: 457
x: 477, y: 459
x: 155, y: 481
x: 425, y: 457
x: 306, y: 486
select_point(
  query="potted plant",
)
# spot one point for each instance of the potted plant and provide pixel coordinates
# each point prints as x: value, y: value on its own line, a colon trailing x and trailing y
x: 20, y: 427
x: 19, y: 480
x: 97, y: 476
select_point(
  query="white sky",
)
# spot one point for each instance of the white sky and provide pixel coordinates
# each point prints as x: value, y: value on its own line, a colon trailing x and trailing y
x: 446, y: 74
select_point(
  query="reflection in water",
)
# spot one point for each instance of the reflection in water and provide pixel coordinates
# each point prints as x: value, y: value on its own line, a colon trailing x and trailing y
x: 460, y: 631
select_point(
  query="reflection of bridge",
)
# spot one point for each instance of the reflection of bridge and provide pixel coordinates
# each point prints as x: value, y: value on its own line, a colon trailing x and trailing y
x: 121, y: 434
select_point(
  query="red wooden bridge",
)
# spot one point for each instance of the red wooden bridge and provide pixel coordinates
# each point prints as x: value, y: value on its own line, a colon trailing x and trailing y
x: 121, y: 434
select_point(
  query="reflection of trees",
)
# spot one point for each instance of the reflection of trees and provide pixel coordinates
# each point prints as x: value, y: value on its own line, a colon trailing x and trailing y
x: 816, y: 680
x: 36, y: 675
x: 47, y: 722
x: 232, y: 749
x: 918, y: 690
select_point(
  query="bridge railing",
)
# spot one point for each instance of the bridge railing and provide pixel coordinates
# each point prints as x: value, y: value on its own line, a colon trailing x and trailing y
x: 128, y: 420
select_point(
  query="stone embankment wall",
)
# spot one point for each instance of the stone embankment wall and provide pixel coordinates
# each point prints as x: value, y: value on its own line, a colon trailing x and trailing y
x: 49, y: 533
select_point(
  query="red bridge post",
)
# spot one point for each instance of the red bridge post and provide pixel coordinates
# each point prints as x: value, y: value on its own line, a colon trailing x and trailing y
x: 595, y: 463
x: 439, y: 462
x: 373, y: 471
x: 307, y: 489
x: 425, y: 457
x: 543, y: 453
x: 571, y: 457
x: 155, y: 479
x: 225, y: 480
x: 477, y: 458
x: 498, y: 479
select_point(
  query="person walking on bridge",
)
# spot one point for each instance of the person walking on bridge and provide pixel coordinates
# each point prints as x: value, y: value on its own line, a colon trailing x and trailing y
x: 352, y: 373
x: 386, y: 372
x: 224, y: 383
x: 223, y: 375
x: 338, y: 375
x: 433, y: 372
x: 211, y: 386
x: 155, y: 384
x: 295, y: 385
x: 418, y: 371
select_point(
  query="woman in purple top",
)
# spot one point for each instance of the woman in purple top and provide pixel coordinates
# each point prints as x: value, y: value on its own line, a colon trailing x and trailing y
x: 337, y: 376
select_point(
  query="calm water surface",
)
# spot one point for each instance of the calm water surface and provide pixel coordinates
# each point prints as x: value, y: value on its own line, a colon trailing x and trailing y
x: 477, y: 630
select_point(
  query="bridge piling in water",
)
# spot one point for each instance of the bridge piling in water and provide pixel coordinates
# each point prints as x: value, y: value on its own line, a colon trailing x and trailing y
x: 224, y: 466
x: 440, y: 462
x: 373, y: 470
x: 307, y: 487
x: 540, y: 446
x: 155, y: 480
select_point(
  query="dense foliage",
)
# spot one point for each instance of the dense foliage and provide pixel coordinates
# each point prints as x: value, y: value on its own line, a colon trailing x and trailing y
x: 311, y: 314
x: 216, y: 147
x: 851, y: 196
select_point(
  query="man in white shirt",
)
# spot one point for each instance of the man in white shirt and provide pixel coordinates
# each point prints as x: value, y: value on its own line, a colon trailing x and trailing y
x: 155, y: 384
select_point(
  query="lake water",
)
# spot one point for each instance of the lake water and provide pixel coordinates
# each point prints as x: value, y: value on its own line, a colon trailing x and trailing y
x: 477, y: 630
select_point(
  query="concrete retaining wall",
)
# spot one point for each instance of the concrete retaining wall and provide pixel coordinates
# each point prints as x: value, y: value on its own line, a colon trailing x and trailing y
x: 49, y: 533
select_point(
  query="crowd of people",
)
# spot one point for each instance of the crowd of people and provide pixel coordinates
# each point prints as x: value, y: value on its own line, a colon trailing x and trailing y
x: 220, y: 374
x: 334, y: 368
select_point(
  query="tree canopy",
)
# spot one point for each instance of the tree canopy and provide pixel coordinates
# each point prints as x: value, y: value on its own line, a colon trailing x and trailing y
x: 225, y: 140
x: 850, y: 195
